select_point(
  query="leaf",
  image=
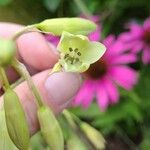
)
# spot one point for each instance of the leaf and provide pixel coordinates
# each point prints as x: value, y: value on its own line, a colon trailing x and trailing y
x: 5, y: 2
x: 51, y: 5
x: 143, y: 87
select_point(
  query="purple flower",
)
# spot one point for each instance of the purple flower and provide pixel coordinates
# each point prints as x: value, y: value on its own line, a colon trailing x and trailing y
x: 103, y: 76
x: 138, y: 38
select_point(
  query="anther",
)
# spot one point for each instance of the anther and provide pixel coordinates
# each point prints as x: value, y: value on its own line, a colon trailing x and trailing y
x: 79, y: 54
x: 76, y: 50
x: 70, y: 49
x: 67, y: 55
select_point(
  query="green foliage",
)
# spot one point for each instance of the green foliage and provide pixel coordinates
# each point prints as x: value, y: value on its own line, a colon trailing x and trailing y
x: 51, y: 5
x: 5, y: 2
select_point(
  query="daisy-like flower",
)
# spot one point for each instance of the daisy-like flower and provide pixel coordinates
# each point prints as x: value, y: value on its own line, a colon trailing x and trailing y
x: 77, y: 53
x: 138, y: 39
x: 102, y: 78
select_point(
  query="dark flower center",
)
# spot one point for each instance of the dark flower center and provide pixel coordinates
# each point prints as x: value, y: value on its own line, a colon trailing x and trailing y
x: 147, y: 37
x: 97, y: 70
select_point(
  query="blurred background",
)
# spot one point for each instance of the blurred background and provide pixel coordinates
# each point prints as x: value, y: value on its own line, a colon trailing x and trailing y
x: 125, y: 120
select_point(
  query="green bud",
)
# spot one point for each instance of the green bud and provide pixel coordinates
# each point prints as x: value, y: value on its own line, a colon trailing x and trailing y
x: 16, y: 122
x: 50, y: 129
x: 75, y: 143
x: 7, y: 51
x: 93, y: 135
x: 72, y: 25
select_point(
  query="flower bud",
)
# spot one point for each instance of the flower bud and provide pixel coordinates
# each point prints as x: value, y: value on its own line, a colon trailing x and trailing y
x: 7, y: 51
x: 15, y: 120
x: 50, y: 129
x: 75, y: 143
x: 72, y: 25
x: 93, y: 135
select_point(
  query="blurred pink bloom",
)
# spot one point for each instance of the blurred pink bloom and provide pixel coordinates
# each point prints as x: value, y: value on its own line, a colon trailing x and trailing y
x: 53, y: 39
x: 138, y: 38
x: 103, y: 76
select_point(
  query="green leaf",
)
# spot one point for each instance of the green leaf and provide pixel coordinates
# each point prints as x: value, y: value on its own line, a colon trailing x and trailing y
x: 5, y: 2
x: 51, y: 5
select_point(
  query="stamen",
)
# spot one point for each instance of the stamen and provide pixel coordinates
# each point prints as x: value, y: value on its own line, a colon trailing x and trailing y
x: 67, y: 55
x: 76, y: 50
x: 70, y: 49
x: 79, y: 54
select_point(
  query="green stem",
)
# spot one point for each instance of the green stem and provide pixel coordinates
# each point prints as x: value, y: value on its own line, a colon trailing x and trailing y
x: 83, y: 8
x: 21, y: 69
x: 4, y: 78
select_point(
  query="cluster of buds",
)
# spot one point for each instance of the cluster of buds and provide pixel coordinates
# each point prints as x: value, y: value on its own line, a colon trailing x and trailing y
x: 76, y: 55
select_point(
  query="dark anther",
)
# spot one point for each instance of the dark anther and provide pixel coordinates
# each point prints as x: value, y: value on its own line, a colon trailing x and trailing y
x: 70, y: 49
x: 79, y: 53
x: 66, y: 56
x: 76, y: 50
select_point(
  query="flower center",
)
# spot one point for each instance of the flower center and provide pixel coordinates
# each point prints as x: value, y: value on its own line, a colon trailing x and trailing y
x: 147, y: 37
x: 73, y: 56
x: 97, y: 70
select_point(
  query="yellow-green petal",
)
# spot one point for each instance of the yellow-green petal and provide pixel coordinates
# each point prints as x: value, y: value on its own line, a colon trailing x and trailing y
x: 93, y: 52
x: 71, y: 41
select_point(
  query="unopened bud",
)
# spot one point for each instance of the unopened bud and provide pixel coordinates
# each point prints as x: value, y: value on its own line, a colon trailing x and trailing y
x: 16, y: 122
x: 75, y: 143
x: 7, y: 51
x: 93, y: 135
x: 50, y: 129
x: 71, y: 25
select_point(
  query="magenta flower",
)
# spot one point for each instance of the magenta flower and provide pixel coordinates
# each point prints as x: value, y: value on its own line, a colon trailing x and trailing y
x: 53, y: 39
x: 138, y: 39
x: 103, y: 76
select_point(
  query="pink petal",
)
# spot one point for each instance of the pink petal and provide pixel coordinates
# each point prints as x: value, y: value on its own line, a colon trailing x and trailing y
x: 146, y: 55
x: 147, y: 24
x: 53, y: 39
x: 138, y: 45
x: 124, y: 76
x: 117, y: 48
x: 85, y: 95
x: 124, y: 59
x: 112, y: 91
x: 109, y: 40
x: 125, y: 37
x: 102, y: 96
x: 96, y: 35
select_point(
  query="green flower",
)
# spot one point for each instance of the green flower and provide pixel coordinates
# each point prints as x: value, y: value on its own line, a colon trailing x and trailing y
x: 77, y: 53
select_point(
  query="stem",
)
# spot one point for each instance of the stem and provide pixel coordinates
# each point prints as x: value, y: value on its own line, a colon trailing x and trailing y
x: 21, y: 69
x: 4, y: 79
x: 83, y: 8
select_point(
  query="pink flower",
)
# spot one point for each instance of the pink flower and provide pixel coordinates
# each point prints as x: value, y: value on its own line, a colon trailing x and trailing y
x: 138, y: 38
x: 53, y: 39
x: 103, y: 76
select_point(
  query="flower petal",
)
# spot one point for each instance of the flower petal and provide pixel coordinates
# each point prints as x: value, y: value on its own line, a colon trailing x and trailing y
x: 147, y: 24
x: 124, y: 76
x: 93, y: 52
x: 112, y: 90
x: 85, y: 95
x: 102, y: 96
x: 146, y: 55
x: 124, y: 59
x: 71, y: 41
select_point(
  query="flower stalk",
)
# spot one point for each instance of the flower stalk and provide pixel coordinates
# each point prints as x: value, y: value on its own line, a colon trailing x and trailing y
x: 21, y: 69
